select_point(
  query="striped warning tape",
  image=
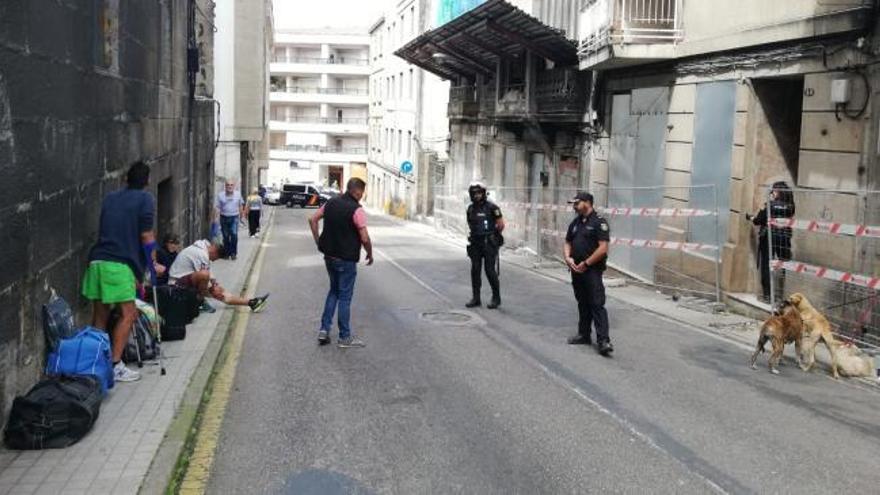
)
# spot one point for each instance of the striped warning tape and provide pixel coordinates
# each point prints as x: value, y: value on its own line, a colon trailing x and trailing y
x: 646, y: 243
x: 833, y: 228
x: 827, y: 273
x: 617, y: 211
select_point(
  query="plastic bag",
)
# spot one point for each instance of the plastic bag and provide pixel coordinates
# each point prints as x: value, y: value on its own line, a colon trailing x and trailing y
x: 58, y: 321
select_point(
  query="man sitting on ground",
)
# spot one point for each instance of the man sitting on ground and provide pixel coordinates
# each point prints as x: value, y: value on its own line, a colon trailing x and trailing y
x: 192, y: 270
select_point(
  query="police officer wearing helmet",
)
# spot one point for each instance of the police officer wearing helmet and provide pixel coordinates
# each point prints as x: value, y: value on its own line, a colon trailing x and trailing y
x: 486, y: 225
x: 586, y: 251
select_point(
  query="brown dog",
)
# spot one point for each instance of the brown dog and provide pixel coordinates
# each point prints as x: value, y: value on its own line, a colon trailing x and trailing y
x: 784, y: 327
x: 816, y: 327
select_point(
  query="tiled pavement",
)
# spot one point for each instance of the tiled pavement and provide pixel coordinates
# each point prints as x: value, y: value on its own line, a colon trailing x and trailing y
x: 116, y: 455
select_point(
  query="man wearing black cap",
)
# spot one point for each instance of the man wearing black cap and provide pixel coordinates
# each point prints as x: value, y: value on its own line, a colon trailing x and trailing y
x: 585, y: 251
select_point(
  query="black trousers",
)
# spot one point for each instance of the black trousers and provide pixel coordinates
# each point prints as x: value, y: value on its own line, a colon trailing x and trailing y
x: 482, y: 253
x: 253, y: 221
x: 589, y: 290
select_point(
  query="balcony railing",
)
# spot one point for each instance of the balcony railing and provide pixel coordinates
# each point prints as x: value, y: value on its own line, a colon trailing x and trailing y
x: 487, y: 100
x: 561, y: 91
x: 298, y: 119
x: 321, y: 91
x: 307, y: 148
x: 463, y: 101
x: 283, y: 59
x: 605, y: 22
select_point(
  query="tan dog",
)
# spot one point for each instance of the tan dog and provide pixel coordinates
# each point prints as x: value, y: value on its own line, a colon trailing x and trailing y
x: 852, y: 361
x: 816, y: 327
x: 784, y: 327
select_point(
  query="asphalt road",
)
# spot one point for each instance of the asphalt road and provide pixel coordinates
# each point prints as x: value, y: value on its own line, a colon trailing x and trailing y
x: 500, y: 404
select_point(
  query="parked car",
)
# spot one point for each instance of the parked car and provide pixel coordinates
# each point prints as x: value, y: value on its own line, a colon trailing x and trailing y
x: 302, y: 195
x: 273, y: 197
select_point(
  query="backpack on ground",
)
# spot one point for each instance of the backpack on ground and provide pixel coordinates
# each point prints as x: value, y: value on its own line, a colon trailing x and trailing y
x: 57, y: 412
x: 142, y: 344
x: 177, y: 307
x: 57, y: 321
x: 86, y: 353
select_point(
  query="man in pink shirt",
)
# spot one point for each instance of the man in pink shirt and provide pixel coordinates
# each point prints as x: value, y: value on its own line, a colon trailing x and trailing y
x: 345, y: 231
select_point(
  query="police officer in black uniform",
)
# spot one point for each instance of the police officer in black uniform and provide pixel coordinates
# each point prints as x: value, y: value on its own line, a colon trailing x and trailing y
x: 781, y: 205
x: 486, y: 224
x: 585, y: 251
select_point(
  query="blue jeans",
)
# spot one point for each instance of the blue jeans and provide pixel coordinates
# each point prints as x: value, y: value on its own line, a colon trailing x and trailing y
x: 342, y: 275
x: 229, y: 226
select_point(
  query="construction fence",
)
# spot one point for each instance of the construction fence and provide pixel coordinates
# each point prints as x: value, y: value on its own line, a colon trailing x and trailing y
x: 829, y: 250
x: 666, y: 236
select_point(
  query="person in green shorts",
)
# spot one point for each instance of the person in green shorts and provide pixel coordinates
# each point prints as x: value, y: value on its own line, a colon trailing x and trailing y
x: 124, y: 252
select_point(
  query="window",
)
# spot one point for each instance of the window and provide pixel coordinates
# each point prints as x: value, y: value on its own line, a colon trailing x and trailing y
x: 412, y: 21
x: 400, y: 88
x: 409, y: 143
x: 399, y: 142
x: 412, y: 83
x: 107, y: 35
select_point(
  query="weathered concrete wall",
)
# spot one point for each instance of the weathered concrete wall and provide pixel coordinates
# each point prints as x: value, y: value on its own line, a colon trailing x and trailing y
x: 86, y: 89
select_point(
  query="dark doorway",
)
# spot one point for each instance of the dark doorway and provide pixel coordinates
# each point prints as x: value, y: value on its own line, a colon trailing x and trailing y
x: 781, y: 102
x: 334, y: 178
x: 165, y: 207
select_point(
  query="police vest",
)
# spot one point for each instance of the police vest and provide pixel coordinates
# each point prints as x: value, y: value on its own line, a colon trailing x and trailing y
x: 481, y: 218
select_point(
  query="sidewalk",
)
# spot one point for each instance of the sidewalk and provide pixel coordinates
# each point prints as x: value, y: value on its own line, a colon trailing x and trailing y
x: 735, y: 328
x: 115, y: 457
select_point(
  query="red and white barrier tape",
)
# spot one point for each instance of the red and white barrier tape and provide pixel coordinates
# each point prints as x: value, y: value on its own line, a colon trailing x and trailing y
x: 646, y: 243
x: 828, y: 227
x: 827, y: 273
x: 616, y: 211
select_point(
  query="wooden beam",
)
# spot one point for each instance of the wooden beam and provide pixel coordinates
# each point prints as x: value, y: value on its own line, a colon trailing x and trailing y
x: 482, y: 46
x: 474, y: 66
x: 453, y: 51
x: 525, y: 42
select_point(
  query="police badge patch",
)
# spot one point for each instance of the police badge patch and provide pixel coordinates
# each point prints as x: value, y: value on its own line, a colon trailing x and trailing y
x: 604, y: 227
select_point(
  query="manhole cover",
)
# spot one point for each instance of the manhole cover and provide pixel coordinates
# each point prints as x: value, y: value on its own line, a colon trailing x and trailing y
x: 448, y: 317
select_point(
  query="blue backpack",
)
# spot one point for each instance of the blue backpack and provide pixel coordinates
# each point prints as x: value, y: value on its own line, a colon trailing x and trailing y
x: 86, y: 353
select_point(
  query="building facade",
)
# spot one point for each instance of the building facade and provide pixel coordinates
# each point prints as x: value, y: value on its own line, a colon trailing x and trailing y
x: 408, y: 123
x: 515, y: 110
x: 319, y: 107
x: 780, y: 91
x: 243, y: 45
x: 86, y: 89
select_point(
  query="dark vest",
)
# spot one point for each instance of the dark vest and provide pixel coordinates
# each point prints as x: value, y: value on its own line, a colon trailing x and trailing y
x: 480, y: 218
x: 340, y: 238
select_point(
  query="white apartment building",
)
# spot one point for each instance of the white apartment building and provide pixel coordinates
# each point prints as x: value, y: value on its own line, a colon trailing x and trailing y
x: 407, y: 114
x: 319, y: 102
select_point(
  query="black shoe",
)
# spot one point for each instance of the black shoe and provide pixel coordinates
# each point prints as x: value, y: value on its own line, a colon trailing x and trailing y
x: 323, y: 337
x: 473, y: 303
x: 494, y: 303
x: 580, y: 340
x: 605, y: 348
x: 258, y: 303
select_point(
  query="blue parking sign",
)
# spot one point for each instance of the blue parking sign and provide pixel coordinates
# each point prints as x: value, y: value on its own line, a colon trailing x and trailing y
x: 406, y: 167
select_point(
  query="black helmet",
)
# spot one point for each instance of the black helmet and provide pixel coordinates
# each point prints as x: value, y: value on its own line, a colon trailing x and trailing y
x: 477, y: 187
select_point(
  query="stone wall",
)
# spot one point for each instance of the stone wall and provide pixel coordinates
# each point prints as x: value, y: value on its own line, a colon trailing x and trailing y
x: 86, y: 89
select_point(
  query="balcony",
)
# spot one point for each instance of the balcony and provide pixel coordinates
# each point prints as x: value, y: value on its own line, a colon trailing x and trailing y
x: 319, y: 153
x: 332, y: 125
x: 333, y: 96
x: 463, y: 102
x: 487, y: 101
x: 616, y: 33
x: 282, y: 65
x: 561, y: 94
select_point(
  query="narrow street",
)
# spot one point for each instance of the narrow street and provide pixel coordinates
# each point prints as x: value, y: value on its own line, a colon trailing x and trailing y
x: 500, y: 404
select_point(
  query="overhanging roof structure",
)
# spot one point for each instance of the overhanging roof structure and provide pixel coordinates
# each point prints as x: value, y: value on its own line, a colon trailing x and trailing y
x: 472, y: 43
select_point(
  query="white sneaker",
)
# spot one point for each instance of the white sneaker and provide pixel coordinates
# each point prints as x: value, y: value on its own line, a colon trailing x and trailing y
x: 121, y: 373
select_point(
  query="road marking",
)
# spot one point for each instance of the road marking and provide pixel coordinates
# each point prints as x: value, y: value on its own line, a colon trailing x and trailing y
x: 201, y: 461
x: 567, y: 384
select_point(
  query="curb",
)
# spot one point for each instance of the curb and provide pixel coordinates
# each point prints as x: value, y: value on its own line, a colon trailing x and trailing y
x: 164, y: 466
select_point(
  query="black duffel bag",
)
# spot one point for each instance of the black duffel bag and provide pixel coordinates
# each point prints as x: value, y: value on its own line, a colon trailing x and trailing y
x: 55, y: 413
